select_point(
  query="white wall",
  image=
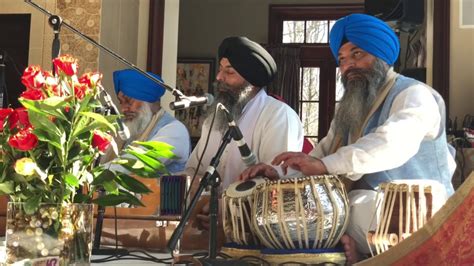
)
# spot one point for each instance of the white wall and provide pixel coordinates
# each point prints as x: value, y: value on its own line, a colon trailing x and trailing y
x: 461, y: 94
x: 170, y: 49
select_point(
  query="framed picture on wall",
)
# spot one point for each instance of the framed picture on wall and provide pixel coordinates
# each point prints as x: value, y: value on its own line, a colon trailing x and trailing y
x: 194, y: 77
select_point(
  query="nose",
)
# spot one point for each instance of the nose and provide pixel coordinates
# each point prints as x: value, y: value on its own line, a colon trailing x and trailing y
x: 124, y: 107
x: 349, y: 64
x: 220, y: 76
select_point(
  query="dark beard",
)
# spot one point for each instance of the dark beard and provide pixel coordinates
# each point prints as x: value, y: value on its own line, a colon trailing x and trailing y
x: 360, y: 93
x: 234, y: 98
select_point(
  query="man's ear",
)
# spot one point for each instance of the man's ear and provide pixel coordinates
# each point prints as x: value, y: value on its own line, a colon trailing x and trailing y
x: 156, y: 106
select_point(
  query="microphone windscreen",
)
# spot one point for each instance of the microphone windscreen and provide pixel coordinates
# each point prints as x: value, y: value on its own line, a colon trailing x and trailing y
x: 210, y: 99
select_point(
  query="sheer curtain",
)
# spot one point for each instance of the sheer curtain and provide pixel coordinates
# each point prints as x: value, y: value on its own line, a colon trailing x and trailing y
x: 287, y: 82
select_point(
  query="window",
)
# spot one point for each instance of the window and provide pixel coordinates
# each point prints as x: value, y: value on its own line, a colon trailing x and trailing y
x: 320, y: 89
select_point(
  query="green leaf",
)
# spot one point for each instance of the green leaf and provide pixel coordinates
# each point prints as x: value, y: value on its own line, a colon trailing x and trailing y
x: 105, y: 176
x: 152, y: 162
x: 155, y: 145
x: 140, y: 169
x: 32, y: 203
x: 132, y: 184
x: 111, y: 187
x: 112, y: 200
x: 50, y: 106
x: 6, y: 187
x: 99, y: 120
x: 82, y: 198
x: 71, y: 180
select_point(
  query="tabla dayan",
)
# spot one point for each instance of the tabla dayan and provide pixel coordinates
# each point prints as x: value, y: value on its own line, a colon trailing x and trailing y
x: 403, y: 207
x: 237, y: 203
x: 300, y: 213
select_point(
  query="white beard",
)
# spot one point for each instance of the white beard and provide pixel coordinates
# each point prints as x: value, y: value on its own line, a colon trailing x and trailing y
x: 140, y: 122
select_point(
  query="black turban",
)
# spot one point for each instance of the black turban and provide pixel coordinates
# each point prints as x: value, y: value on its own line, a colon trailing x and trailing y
x: 250, y: 59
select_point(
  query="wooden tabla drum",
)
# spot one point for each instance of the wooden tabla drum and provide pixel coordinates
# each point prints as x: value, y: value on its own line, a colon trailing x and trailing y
x: 403, y: 207
x: 237, y: 203
x: 300, y: 213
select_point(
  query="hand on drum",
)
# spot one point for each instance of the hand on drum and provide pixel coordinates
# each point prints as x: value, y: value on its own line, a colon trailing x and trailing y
x: 260, y: 169
x: 202, y: 218
x: 300, y: 161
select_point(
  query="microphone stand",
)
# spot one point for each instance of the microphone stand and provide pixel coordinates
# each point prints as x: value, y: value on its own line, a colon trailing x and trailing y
x: 3, y: 85
x: 211, y: 178
x: 96, y: 250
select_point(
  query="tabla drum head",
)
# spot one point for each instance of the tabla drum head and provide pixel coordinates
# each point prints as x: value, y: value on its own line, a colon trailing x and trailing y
x: 243, y: 189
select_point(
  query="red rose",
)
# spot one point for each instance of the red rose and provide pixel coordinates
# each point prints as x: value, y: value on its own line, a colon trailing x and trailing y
x: 66, y: 64
x: 101, y: 140
x: 91, y: 78
x: 80, y: 90
x: 33, y: 77
x: 24, y: 140
x: 34, y: 95
x: 19, y: 119
x: 4, y: 113
x: 52, y: 85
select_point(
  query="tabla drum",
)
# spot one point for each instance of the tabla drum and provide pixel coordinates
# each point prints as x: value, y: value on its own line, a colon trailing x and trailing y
x: 300, y: 213
x: 403, y: 207
x: 236, y: 215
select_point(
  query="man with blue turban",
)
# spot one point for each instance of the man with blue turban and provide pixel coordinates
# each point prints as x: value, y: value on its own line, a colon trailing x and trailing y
x: 387, y: 127
x: 139, y: 99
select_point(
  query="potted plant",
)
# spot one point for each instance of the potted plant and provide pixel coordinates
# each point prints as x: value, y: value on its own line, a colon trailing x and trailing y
x: 48, y: 164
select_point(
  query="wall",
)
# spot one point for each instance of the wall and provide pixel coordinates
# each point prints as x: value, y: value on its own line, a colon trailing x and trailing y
x: 204, y: 23
x: 119, y: 33
x: 170, y: 49
x: 461, y: 83
x: 84, y: 17
x: 125, y: 31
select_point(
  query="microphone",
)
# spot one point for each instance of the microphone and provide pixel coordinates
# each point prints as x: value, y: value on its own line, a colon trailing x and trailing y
x: 123, y: 131
x: 190, y: 101
x: 247, y: 155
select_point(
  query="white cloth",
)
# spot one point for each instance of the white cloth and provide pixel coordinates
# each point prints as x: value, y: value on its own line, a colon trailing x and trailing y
x: 269, y: 127
x: 414, y: 117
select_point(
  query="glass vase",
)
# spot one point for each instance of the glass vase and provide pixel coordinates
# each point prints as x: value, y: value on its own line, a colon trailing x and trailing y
x: 55, y: 234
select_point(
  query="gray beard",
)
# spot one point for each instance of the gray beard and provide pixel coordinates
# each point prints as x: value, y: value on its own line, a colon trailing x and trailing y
x: 360, y: 93
x: 233, y: 98
x: 138, y: 125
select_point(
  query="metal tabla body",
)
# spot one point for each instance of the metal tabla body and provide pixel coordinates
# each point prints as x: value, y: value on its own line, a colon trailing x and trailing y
x: 300, y: 213
x: 237, y: 203
x: 403, y: 207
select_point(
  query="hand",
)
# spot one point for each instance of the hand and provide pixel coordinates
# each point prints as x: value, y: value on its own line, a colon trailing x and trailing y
x: 260, y: 169
x: 202, y: 218
x: 300, y: 161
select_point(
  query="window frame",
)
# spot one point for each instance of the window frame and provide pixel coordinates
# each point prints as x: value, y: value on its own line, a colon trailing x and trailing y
x: 313, y: 54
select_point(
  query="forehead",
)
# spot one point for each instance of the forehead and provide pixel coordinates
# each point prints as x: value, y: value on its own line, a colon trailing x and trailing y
x: 122, y: 96
x: 225, y: 62
x: 348, y: 47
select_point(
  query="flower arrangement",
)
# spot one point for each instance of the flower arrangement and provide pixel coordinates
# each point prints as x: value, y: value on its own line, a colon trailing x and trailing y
x: 51, y: 144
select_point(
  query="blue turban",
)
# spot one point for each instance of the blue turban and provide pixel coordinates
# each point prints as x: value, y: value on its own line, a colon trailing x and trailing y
x: 135, y: 85
x: 368, y: 33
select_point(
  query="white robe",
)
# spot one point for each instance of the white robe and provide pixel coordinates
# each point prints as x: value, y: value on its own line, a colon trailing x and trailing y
x: 269, y: 127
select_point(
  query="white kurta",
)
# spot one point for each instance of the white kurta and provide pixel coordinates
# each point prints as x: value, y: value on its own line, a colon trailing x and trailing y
x: 269, y: 127
x: 414, y: 117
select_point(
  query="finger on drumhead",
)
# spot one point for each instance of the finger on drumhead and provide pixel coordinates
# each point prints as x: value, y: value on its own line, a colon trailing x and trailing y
x: 281, y: 158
